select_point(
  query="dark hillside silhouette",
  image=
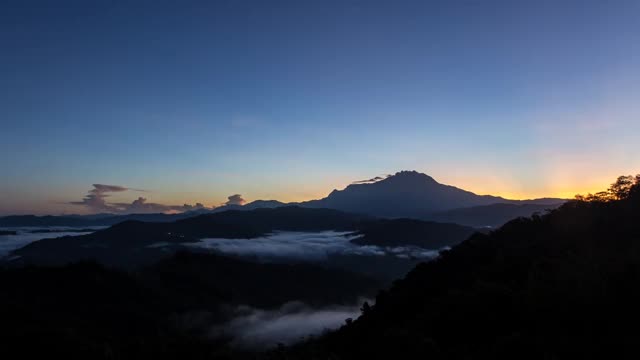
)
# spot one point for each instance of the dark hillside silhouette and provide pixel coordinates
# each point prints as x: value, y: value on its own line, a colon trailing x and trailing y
x: 426, y: 234
x: 130, y: 243
x: 561, y: 285
x: 86, y: 311
x: 494, y: 215
x: 133, y: 243
x: 112, y: 219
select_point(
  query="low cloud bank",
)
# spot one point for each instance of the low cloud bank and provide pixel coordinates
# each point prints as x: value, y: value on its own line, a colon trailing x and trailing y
x: 307, y: 246
x: 292, y: 322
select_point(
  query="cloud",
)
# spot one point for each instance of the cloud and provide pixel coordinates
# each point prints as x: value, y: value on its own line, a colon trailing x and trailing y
x: 372, y: 180
x: 235, y: 200
x: 255, y: 328
x: 23, y: 237
x: 96, y: 201
x: 101, y: 188
x: 308, y: 246
x: 141, y: 206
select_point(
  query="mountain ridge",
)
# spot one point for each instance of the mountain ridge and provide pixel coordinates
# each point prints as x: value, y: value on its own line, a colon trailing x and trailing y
x: 406, y: 194
x: 132, y: 243
x: 559, y: 285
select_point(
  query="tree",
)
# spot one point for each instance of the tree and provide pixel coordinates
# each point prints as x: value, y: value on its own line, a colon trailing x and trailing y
x: 365, y: 308
x: 622, y: 187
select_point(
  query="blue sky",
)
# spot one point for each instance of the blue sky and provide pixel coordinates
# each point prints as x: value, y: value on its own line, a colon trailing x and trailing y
x: 196, y: 100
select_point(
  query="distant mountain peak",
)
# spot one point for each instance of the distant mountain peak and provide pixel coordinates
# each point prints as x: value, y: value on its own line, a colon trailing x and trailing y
x: 402, y: 178
x: 411, y: 175
x: 407, y: 193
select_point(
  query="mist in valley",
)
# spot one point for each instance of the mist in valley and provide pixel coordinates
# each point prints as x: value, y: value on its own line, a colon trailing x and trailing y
x: 287, y: 246
x: 26, y: 235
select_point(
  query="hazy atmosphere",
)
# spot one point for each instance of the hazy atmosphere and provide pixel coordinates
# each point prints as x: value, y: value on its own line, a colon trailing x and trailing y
x: 320, y: 179
x: 195, y: 101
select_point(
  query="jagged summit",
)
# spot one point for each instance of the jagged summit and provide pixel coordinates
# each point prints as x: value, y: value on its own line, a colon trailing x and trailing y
x: 400, y: 176
x: 409, y: 176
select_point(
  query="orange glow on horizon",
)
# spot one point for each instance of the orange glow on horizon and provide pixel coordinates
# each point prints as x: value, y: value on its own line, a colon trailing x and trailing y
x: 562, y: 185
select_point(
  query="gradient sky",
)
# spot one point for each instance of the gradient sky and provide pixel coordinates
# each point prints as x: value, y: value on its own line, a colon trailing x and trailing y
x: 195, y: 100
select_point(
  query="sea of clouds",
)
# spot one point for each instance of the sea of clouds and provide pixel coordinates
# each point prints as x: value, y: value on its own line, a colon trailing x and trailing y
x: 307, y: 246
x: 25, y: 236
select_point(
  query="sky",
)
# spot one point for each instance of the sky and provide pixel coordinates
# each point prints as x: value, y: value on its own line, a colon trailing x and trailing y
x: 185, y: 102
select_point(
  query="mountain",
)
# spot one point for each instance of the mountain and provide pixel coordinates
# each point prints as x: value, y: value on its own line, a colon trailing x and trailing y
x: 557, y: 286
x: 494, y: 215
x: 134, y: 243
x: 88, y: 220
x: 408, y: 194
x: 257, y: 204
x: 43, y: 221
x: 112, y: 219
x: 425, y: 234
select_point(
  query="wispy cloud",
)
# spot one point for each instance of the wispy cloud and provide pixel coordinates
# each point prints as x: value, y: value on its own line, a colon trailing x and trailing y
x: 372, y: 180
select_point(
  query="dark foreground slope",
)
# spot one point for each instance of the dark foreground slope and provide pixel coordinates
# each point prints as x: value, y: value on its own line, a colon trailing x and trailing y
x: 425, y: 234
x: 493, y: 216
x: 165, y: 311
x: 559, y: 286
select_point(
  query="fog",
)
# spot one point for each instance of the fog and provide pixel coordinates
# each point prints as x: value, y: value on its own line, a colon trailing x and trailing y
x: 307, y: 246
x: 292, y: 322
x: 26, y: 236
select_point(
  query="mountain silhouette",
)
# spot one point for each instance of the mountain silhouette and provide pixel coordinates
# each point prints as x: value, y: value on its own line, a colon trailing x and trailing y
x: 131, y: 243
x: 408, y: 194
x: 557, y: 286
x: 112, y: 219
